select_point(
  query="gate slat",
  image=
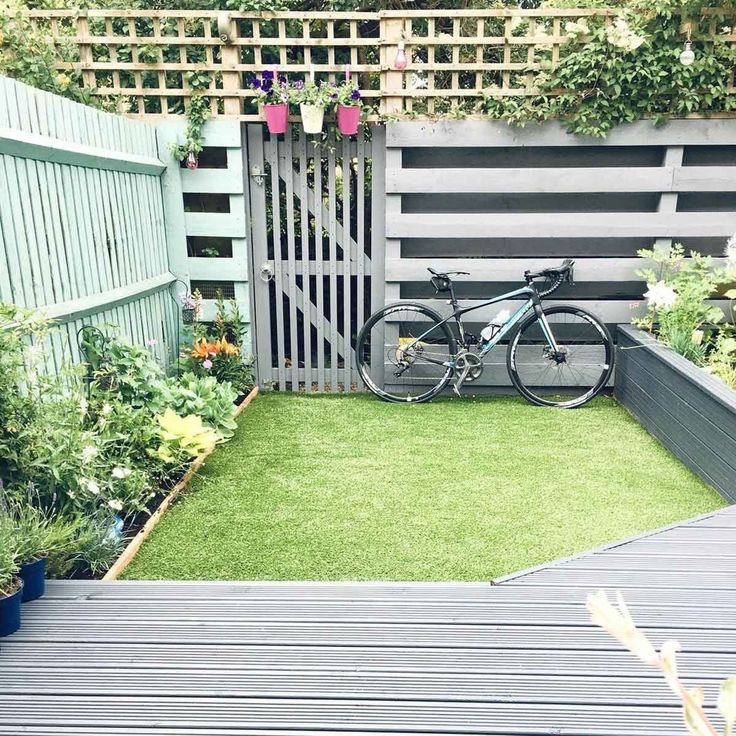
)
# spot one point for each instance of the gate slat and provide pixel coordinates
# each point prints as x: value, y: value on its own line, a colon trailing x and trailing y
x: 273, y: 158
x: 346, y: 262
x: 288, y: 176
x: 332, y: 230
x: 305, y: 261
x: 319, y: 270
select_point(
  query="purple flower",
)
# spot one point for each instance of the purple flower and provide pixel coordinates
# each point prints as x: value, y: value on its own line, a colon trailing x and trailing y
x: 266, y: 86
x: 151, y: 342
x: 299, y: 84
x: 355, y: 95
x: 282, y: 79
x: 207, y: 364
x: 253, y: 81
x: 333, y: 96
x: 267, y: 74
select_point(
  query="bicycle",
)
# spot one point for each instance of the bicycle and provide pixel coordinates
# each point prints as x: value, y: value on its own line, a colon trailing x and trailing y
x: 559, y: 356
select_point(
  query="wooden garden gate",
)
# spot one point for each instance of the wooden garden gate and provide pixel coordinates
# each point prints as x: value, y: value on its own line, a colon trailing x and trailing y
x: 316, y: 242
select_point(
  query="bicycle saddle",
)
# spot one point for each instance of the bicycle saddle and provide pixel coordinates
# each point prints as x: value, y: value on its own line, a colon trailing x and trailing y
x: 447, y: 274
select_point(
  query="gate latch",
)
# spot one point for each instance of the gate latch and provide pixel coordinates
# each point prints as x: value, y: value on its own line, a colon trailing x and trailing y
x: 257, y: 175
x: 266, y: 271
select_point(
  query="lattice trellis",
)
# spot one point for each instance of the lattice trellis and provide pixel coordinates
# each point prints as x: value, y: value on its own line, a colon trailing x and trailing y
x: 157, y: 58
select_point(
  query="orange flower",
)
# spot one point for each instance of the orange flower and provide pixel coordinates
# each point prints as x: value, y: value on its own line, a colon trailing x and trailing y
x: 203, y: 349
x: 223, y: 346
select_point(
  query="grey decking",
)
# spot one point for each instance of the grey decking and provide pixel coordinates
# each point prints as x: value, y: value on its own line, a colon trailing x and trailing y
x: 519, y: 657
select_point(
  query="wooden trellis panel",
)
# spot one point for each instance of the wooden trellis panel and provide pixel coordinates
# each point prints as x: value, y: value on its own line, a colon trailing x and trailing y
x: 492, y: 200
x: 156, y: 58
x: 82, y: 232
x: 311, y: 242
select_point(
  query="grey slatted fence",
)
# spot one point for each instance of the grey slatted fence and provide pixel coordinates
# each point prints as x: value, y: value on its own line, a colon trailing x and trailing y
x: 82, y: 221
x: 312, y: 225
x: 482, y: 197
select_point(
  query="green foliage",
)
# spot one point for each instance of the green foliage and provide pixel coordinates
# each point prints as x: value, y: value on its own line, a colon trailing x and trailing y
x: 198, y: 113
x: 204, y: 397
x: 625, y: 71
x: 9, y: 562
x: 691, y: 282
x: 347, y: 94
x: 310, y: 93
x: 30, y: 57
x: 721, y: 360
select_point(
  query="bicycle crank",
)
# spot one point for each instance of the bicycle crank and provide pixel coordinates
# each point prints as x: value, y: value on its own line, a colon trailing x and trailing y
x: 468, y: 367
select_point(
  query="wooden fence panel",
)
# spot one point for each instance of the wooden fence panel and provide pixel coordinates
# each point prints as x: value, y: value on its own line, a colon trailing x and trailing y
x: 82, y: 231
x: 482, y: 197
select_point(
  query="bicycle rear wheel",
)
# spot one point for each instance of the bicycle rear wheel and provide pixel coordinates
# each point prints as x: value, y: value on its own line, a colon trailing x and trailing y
x: 574, y: 375
x: 404, y: 353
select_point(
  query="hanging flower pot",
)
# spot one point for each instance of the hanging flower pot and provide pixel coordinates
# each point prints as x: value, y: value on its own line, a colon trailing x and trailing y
x: 33, y: 575
x: 312, y: 118
x: 10, y: 608
x: 276, y: 117
x: 187, y: 315
x: 348, y: 117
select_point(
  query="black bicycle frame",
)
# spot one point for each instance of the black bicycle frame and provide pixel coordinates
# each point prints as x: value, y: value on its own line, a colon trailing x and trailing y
x: 532, y: 303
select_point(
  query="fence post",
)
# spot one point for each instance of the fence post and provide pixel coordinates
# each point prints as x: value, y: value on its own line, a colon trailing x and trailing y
x: 85, y: 49
x: 391, y: 32
x: 230, y: 56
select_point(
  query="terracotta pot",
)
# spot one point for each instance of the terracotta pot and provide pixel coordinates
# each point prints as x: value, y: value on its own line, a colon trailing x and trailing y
x: 348, y: 117
x: 276, y: 117
x: 312, y: 118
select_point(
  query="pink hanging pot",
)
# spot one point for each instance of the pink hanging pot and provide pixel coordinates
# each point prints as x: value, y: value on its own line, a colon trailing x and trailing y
x: 276, y: 117
x: 348, y: 117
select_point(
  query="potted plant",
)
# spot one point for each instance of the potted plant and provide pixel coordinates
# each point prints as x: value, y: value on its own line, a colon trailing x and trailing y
x: 272, y: 91
x: 349, y: 102
x: 36, y: 534
x: 11, y: 586
x: 312, y: 99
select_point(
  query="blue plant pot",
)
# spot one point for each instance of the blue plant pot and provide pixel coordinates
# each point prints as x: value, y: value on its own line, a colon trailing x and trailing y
x: 33, y: 575
x: 10, y: 612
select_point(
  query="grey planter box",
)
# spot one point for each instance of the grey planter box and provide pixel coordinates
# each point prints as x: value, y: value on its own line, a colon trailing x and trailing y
x: 688, y: 410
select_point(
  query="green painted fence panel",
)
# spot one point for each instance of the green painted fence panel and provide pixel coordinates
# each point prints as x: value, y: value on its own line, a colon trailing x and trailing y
x: 85, y: 197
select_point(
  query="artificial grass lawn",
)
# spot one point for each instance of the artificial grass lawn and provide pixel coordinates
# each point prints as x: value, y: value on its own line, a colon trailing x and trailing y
x: 352, y: 488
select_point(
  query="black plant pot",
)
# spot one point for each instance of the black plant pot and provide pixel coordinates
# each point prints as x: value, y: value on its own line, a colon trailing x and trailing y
x: 33, y: 575
x: 187, y: 315
x: 10, y: 611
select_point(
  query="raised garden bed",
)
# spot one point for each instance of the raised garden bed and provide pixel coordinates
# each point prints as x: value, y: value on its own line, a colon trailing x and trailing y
x: 135, y: 543
x: 692, y: 413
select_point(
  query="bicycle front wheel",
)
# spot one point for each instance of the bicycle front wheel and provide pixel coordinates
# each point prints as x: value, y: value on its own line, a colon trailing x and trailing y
x: 404, y: 353
x: 573, y: 375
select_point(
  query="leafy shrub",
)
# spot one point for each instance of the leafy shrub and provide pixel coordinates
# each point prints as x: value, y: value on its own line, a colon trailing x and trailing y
x: 624, y: 71
x: 8, y: 558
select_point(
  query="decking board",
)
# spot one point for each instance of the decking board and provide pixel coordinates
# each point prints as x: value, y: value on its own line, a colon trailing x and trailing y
x: 518, y: 656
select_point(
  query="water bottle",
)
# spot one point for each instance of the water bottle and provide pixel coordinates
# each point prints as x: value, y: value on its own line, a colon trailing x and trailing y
x: 490, y: 330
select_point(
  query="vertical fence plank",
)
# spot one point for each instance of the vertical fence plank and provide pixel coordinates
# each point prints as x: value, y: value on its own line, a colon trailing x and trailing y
x: 287, y: 174
x: 332, y: 234
x: 347, y: 264
x: 273, y: 159
x: 305, y: 262
x: 73, y: 231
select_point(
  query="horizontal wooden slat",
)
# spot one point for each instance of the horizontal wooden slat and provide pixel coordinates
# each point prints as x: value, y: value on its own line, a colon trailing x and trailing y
x: 564, y: 179
x: 512, y: 269
x: 24, y: 144
x: 68, y: 311
x: 562, y: 225
x: 212, y: 181
x: 485, y: 133
x: 219, y: 269
x: 216, y: 225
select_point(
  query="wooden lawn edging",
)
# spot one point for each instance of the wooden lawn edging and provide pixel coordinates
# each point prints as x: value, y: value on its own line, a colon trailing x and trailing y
x: 691, y: 412
x: 135, y: 544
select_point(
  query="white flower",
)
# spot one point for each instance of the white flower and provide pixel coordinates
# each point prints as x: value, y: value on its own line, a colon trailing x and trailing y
x: 83, y: 406
x: 88, y: 453
x: 121, y: 472
x: 577, y: 28
x: 418, y: 81
x: 106, y: 410
x: 71, y: 494
x: 660, y: 296
x: 114, y: 504
x: 730, y: 253
x: 93, y: 488
x: 621, y: 36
